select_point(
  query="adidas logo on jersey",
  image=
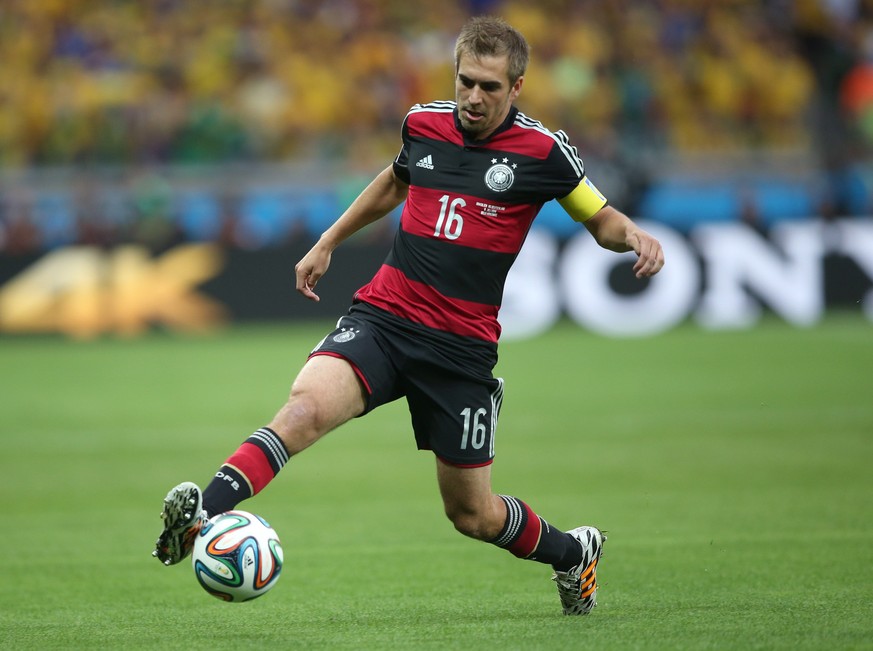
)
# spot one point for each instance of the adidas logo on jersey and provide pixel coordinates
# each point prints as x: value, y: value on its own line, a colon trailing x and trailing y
x: 426, y: 162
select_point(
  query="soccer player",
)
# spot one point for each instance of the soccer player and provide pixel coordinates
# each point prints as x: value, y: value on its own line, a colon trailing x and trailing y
x: 473, y: 172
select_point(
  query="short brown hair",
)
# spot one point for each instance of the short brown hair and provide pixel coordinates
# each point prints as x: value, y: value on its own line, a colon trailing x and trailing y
x: 491, y: 36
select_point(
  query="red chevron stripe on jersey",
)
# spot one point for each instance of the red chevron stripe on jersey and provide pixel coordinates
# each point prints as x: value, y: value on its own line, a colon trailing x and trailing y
x: 440, y: 125
x: 490, y: 225
x: 423, y: 304
x: 435, y: 124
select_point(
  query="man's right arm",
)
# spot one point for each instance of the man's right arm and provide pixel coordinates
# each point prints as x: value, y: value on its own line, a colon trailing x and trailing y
x: 383, y: 195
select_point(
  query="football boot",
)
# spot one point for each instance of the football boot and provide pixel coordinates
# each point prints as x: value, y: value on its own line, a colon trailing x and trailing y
x: 577, y: 587
x: 183, y: 516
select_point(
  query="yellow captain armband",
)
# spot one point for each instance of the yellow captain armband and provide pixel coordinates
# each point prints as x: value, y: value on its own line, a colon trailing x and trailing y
x: 583, y: 202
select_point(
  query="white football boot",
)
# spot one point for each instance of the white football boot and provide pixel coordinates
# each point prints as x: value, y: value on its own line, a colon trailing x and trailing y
x: 577, y: 587
x: 183, y: 516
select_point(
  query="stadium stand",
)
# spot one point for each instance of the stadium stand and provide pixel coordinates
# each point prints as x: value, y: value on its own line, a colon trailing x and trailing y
x: 90, y: 85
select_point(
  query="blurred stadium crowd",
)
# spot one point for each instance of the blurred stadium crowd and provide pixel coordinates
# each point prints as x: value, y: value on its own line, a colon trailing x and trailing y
x: 125, y: 90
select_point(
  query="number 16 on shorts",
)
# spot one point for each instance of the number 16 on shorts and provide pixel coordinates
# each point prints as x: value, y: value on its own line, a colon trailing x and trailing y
x: 475, y: 430
x: 480, y: 424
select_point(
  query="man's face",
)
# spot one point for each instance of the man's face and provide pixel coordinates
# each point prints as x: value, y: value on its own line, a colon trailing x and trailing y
x: 483, y: 93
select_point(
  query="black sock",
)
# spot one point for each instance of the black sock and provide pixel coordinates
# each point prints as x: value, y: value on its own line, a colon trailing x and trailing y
x: 560, y: 549
x: 527, y: 535
x: 228, y: 488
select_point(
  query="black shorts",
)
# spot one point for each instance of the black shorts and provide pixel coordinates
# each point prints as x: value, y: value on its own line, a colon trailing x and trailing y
x: 454, y: 399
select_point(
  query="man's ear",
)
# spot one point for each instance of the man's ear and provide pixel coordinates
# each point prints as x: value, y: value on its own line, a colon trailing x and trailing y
x: 516, y: 88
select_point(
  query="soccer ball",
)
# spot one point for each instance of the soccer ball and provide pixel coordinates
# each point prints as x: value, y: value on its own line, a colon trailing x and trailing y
x: 237, y: 556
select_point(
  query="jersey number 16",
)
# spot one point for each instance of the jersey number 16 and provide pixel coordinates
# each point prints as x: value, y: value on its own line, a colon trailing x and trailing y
x: 450, y: 223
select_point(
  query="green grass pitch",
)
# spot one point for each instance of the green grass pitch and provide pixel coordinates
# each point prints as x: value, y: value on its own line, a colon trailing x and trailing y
x: 733, y: 472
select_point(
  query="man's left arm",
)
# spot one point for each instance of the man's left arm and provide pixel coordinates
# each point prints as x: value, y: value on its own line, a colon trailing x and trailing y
x: 612, y: 229
x: 615, y: 231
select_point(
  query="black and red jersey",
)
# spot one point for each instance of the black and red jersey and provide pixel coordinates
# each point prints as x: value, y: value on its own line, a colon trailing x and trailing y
x: 469, y: 209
